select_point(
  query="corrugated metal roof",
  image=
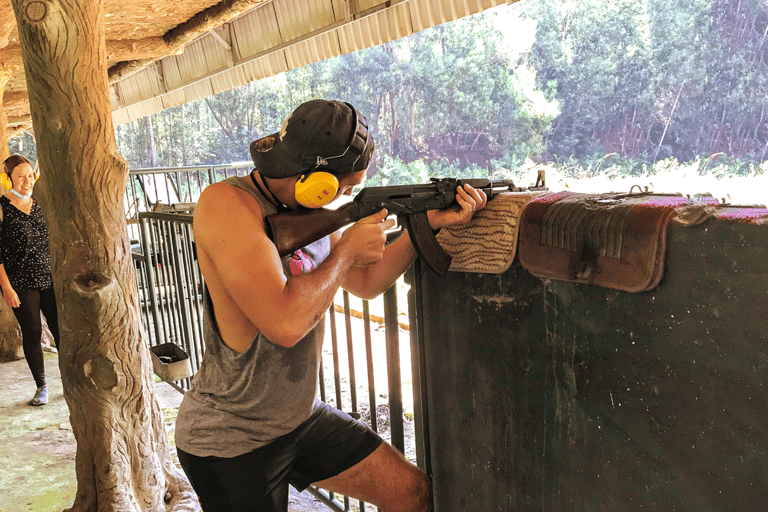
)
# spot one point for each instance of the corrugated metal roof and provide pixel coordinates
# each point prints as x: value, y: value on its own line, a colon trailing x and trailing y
x: 275, y: 37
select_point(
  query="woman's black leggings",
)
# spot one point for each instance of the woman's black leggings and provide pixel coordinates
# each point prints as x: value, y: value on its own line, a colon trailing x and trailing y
x: 28, y: 315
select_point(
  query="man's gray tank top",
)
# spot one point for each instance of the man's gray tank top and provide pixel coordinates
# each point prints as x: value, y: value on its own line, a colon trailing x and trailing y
x: 240, y: 401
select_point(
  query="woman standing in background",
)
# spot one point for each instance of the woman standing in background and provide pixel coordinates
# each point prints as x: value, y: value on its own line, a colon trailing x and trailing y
x: 25, y: 266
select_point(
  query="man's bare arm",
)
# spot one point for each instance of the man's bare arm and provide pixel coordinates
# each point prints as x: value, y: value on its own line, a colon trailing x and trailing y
x: 244, y: 272
x: 370, y: 281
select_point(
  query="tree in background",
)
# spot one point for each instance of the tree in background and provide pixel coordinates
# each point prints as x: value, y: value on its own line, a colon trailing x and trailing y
x: 596, y: 55
x: 632, y: 81
x: 655, y: 79
x: 434, y: 96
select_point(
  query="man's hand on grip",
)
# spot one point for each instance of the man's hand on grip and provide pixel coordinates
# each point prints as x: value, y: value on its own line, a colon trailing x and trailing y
x: 469, y: 201
x: 365, y: 239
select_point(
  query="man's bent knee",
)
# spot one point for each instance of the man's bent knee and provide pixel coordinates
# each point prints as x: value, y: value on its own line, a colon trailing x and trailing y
x: 416, y: 493
x: 421, y: 493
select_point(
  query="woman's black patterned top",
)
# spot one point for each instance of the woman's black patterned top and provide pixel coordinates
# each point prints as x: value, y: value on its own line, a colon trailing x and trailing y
x: 24, y: 247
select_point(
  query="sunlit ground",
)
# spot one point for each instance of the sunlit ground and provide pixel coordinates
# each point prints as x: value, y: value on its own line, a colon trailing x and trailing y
x: 665, y: 177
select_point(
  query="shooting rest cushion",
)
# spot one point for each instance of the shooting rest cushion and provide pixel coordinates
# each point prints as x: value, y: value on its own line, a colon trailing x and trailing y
x: 488, y: 243
x: 757, y: 214
x: 612, y: 240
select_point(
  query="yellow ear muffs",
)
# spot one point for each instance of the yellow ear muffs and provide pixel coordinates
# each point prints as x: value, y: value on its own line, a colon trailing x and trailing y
x: 5, y: 181
x: 316, y: 189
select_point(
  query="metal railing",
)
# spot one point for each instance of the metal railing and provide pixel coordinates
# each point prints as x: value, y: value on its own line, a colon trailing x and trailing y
x: 170, y: 284
x: 171, y: 292
x: 163, y: 189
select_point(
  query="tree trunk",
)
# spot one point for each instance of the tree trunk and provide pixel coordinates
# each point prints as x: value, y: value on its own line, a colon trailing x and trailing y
x: 184, y: 158
x: 153, y: 161
x: 123, y: 460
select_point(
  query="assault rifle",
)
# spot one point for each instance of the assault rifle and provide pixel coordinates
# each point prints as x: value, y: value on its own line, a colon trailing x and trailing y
x: 293, y: 230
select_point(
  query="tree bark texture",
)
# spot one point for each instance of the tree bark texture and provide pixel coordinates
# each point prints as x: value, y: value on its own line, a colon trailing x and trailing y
x: 123, y: 460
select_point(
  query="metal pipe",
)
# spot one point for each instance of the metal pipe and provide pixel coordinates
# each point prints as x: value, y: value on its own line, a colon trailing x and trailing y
x: 393, y: 369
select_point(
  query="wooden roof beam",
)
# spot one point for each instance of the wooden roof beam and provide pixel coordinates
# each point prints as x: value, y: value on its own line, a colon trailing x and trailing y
x: 139, y: 49
x: 178, y: 37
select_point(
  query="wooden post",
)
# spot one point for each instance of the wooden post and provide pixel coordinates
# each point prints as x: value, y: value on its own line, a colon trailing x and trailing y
x: 123, y: 458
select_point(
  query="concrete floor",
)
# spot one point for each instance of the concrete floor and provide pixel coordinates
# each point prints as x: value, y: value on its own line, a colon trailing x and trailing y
x: 37, y: 452
x: 38, y: 449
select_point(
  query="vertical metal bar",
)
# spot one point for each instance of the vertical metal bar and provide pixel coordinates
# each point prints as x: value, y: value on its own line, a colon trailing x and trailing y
x: 199, y: 186
x: 336, y: 373
x: 157, y: 192
x: 185, y: 328
x: 321, y: 380
x: 130, y: 191
x: 350, y: 351
x: 158, y: 268
x: 194, y: 342
x: 369, y: 361
x: 393, y: 369
x: 168, y: 181
x: 176, y: 183
x: 200, y: 298
x: 141, y: 288
x: 418, y: 369
x: 184, y: 184
x: 195, y: 299
x: 335, y: 353
x: 148, y: 248
x: 165, y: 287
x: 351, y: 360
x: 176, y: 309
x: 170, y: 310
x: 321, y: 376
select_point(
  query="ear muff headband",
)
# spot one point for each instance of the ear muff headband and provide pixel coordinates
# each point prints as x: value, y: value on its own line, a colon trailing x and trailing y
x: 316, y: 189
x: 5, y: 181
x: 359, y: 140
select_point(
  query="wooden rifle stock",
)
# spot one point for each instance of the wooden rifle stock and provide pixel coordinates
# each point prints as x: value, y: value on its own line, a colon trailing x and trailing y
x: 294, y: 230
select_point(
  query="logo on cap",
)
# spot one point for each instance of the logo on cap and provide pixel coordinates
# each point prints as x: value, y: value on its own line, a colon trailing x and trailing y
x: 284, y: 128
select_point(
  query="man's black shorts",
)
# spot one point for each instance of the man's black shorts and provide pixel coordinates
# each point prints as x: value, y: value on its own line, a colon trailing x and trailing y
x: 325, y: 445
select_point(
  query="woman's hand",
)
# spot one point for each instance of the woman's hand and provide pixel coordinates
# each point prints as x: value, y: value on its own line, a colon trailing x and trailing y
x: 469, y: 199
x: 11, y: 298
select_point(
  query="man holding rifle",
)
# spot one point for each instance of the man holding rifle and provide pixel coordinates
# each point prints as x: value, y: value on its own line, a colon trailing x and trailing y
x: 251, y: 423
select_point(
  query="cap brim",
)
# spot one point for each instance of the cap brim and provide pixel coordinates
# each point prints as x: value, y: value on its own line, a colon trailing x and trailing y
x: 273, y: 162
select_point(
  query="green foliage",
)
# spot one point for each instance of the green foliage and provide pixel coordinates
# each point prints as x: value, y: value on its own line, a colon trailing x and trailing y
x: 602, y: 88
x: 654, y: 79
x: 394, y: 171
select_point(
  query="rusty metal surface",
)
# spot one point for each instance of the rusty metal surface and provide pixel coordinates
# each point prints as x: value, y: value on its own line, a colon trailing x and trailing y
x: 552, y: 396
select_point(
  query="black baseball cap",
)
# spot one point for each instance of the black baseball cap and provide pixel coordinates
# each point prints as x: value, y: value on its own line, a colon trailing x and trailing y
x: 331, y: 135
